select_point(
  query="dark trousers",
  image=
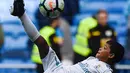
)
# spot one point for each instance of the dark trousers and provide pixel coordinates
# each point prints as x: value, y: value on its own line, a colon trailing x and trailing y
x: 128, y: 40
x: 78, y: 58
x: 39, y: 68
x: 114, y: 69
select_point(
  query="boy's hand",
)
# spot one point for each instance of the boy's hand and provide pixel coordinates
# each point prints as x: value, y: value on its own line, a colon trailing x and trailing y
x: 18, y: 8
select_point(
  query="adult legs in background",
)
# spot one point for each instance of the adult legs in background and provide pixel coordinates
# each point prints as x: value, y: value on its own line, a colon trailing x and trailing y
x: 113, y: 68
x: 78, y: 58
x: 128, y: 37
x: 39, y: 68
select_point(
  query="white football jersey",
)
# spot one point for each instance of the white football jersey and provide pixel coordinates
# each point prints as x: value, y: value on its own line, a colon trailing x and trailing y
x: 52, y: 64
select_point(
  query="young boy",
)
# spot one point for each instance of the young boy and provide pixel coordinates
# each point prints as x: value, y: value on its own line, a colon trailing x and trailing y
x: 111, y: 53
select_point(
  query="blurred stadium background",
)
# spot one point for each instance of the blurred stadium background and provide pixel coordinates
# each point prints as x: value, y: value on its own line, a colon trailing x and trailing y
x: 15, y: 51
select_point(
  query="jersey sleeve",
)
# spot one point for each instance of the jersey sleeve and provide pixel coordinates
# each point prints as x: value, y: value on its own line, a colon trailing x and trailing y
x: 51, y: 61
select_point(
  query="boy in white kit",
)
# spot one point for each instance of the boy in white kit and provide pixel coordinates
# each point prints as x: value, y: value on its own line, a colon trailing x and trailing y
x: 111, y: 53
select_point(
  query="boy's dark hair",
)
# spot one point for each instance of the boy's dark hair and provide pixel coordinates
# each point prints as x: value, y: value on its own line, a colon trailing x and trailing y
x: 117, y: 49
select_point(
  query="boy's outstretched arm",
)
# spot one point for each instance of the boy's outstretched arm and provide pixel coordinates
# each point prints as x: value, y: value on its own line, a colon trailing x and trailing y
x: 32, y: 32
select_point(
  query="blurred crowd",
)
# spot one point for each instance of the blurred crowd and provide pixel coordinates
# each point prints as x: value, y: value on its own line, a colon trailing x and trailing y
x: 83, y: 27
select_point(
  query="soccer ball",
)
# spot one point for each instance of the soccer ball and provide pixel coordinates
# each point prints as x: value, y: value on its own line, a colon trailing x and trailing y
x: 51, y: 8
